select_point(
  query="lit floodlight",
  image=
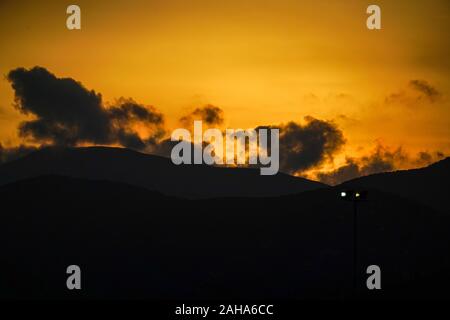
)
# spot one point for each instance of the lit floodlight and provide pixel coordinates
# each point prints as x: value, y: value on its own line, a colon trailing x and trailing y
x: 343, y: 194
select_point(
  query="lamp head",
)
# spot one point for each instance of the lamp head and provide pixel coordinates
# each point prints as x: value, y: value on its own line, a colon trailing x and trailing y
x: 353, y: 195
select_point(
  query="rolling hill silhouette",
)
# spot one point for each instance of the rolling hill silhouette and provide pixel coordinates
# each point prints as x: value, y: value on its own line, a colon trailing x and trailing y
x: 152, y: 172
x: 429, y: 185
x: 134, y: 243
x: 140, y: 227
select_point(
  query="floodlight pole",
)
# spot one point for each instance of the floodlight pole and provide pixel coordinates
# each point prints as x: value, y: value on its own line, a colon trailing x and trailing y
x: 355, y: 247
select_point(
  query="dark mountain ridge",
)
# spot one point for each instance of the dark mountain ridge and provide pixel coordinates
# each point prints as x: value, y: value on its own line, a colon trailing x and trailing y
x: 429, y: 185
x: 152, y: 172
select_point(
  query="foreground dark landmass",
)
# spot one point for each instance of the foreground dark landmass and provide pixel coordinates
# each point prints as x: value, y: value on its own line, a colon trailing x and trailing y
x: 140, y: 227
x: 134, y: 243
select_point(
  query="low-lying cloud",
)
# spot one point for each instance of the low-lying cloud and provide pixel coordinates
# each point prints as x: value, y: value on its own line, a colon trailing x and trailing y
x: 305, y: 146
x: 382, y: 159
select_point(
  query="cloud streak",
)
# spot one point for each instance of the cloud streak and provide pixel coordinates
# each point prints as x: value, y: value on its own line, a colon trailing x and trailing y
x: 418, y: 92
x: 426, y: 89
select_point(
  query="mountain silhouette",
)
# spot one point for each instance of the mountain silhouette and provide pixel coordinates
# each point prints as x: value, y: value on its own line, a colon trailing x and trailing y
x: 152, y: 172
x: 141, y: 227
x: 134, y: 243
x: 429, y: 185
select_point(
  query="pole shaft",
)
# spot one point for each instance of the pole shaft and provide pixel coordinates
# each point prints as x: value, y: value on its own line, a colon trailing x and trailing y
x: 355, y: 248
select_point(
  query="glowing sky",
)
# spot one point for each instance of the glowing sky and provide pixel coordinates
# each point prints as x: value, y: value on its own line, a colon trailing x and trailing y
x: 262, y: 62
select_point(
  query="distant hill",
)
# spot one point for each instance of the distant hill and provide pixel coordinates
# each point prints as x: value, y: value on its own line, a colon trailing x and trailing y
x: 133, y: 243
x: 122, y: 217
x: 429, y: 185
x: 152, y: 172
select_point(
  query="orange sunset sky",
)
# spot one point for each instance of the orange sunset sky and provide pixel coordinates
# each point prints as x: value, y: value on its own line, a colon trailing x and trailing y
x: 261, y: 62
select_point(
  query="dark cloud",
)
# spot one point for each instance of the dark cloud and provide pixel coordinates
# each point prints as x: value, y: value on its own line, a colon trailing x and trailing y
x: 209, y: 114
x: 426, y: 89
x: 66, y: 113
x: 381, y: 160
x: 303, y: 147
